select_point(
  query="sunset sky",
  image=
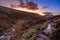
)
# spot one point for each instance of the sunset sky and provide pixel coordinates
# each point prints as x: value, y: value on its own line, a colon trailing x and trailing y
x: 52, y: 5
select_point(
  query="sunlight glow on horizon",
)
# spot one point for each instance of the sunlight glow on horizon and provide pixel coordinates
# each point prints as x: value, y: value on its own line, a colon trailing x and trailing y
x: 38, y: 11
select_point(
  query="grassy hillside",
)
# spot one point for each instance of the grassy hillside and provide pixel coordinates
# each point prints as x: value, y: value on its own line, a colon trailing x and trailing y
x: 10, y: 18
x: 26, y: 24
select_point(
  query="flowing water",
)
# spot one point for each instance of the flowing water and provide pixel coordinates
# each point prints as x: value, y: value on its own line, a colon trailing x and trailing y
x: 7, y: 36
x: 45, y: 33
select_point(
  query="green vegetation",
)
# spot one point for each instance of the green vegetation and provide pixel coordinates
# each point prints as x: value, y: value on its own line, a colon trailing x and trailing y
x: 32, y: 32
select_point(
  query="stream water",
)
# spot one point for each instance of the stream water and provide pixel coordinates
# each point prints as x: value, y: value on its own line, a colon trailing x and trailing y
x: 7, y: 36
x: 44, y: 35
